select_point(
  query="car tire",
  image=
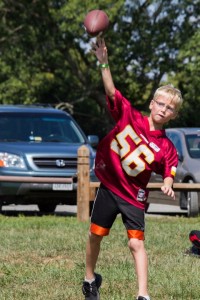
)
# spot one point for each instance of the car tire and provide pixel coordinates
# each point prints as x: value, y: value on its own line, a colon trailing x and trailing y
x: 192, y: 203
x: 183, y: 200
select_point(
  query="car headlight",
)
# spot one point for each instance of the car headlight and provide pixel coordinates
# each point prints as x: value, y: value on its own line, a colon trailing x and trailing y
x: 8, y: 160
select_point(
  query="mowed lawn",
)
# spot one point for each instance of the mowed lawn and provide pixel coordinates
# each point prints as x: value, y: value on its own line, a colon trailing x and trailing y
x: 43, y: 257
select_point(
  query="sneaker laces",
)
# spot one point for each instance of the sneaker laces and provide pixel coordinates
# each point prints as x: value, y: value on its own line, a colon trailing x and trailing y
x: 143, y: 298
x: 89, y: 288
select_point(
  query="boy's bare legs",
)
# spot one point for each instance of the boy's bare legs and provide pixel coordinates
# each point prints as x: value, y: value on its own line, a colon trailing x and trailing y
x: 92, y: 253
x: 141, y: 264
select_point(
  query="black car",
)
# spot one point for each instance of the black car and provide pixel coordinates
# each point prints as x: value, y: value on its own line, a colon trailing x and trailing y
x: 37, y: 142
x: 187, y: 143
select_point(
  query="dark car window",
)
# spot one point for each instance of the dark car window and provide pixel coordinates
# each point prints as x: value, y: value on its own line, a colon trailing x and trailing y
x: 193, y: 145
x: 39, y: 128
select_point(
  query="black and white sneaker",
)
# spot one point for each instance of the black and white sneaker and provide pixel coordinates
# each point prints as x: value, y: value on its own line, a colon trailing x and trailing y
x: 142, y: 298
x: 91, y: 291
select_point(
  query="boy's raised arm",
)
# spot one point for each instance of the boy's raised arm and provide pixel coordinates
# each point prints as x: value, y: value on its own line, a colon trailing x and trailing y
x: 100, y: 50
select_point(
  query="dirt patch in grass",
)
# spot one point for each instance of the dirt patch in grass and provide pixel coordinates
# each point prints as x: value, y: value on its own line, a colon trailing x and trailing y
x: 16, y: 258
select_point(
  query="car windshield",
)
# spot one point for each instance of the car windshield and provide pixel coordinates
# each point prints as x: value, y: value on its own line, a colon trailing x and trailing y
x: 193, y: 145
x: 39, y: 127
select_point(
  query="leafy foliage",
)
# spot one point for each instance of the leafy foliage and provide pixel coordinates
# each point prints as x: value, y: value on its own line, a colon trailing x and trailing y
x: 188, y: 77
x: 45, y: 55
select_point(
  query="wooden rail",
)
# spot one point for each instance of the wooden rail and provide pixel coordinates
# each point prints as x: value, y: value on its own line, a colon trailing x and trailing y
x: 86, y: 190
x: 36, y: 179
x: 155, y: 186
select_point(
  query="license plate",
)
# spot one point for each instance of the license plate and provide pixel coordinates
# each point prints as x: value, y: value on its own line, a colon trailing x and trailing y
x: 62, y: 186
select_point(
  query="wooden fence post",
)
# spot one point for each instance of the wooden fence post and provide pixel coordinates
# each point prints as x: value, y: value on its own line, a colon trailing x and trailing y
x: 83, y: 188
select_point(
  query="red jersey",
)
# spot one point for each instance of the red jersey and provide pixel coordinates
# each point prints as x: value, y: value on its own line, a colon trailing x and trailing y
x: 130, y: 152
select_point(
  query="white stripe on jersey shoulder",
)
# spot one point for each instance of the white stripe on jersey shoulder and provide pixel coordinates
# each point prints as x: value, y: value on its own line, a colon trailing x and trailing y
x: 143, y: 137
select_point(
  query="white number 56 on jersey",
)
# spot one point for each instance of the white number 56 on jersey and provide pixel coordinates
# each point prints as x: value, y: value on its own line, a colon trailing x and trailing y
x: 132, y: 164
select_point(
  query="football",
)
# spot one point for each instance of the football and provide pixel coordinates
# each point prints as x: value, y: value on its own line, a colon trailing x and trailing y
x: 95, y: 22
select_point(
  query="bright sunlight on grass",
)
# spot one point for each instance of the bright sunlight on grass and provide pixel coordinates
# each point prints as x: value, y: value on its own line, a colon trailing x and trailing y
x: 43, y: 258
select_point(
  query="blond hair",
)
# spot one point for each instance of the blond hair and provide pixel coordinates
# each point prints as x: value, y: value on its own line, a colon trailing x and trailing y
x: 173, y: 93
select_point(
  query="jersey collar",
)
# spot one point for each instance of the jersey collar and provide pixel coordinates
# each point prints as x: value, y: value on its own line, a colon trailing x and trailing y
x: 155, y: 133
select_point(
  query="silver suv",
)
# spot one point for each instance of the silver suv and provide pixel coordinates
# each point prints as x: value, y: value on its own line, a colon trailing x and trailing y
x: 187, y: 143
x: 40, y: 142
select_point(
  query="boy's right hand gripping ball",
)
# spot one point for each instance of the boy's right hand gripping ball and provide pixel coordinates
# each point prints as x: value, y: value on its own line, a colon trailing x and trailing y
x: 95, y: 22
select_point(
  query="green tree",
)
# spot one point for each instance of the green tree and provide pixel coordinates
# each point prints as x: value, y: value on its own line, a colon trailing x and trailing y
x: 45, y: 54
x: 188, y: 78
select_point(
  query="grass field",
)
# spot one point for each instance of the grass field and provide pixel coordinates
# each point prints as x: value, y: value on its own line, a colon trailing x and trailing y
x: 43, y: 258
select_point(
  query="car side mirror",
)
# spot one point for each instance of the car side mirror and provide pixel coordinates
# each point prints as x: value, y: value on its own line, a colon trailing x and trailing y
x: 180, y: 156
x: 93, y: 140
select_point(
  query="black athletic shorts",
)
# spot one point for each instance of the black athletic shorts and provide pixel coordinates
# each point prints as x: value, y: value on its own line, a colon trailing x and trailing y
x: 107, y: 206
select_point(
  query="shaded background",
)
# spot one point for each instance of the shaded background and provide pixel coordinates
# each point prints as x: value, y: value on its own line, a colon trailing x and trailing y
x: 45, y: 56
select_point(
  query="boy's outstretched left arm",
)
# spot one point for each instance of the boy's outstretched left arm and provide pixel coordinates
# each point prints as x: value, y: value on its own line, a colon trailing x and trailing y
x: 167, y: 187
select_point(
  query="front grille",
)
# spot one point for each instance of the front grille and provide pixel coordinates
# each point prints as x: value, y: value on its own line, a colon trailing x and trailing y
x: 55, y: 163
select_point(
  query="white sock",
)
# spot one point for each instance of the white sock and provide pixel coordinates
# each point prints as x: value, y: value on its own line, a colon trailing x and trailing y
x: 89, y: 280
